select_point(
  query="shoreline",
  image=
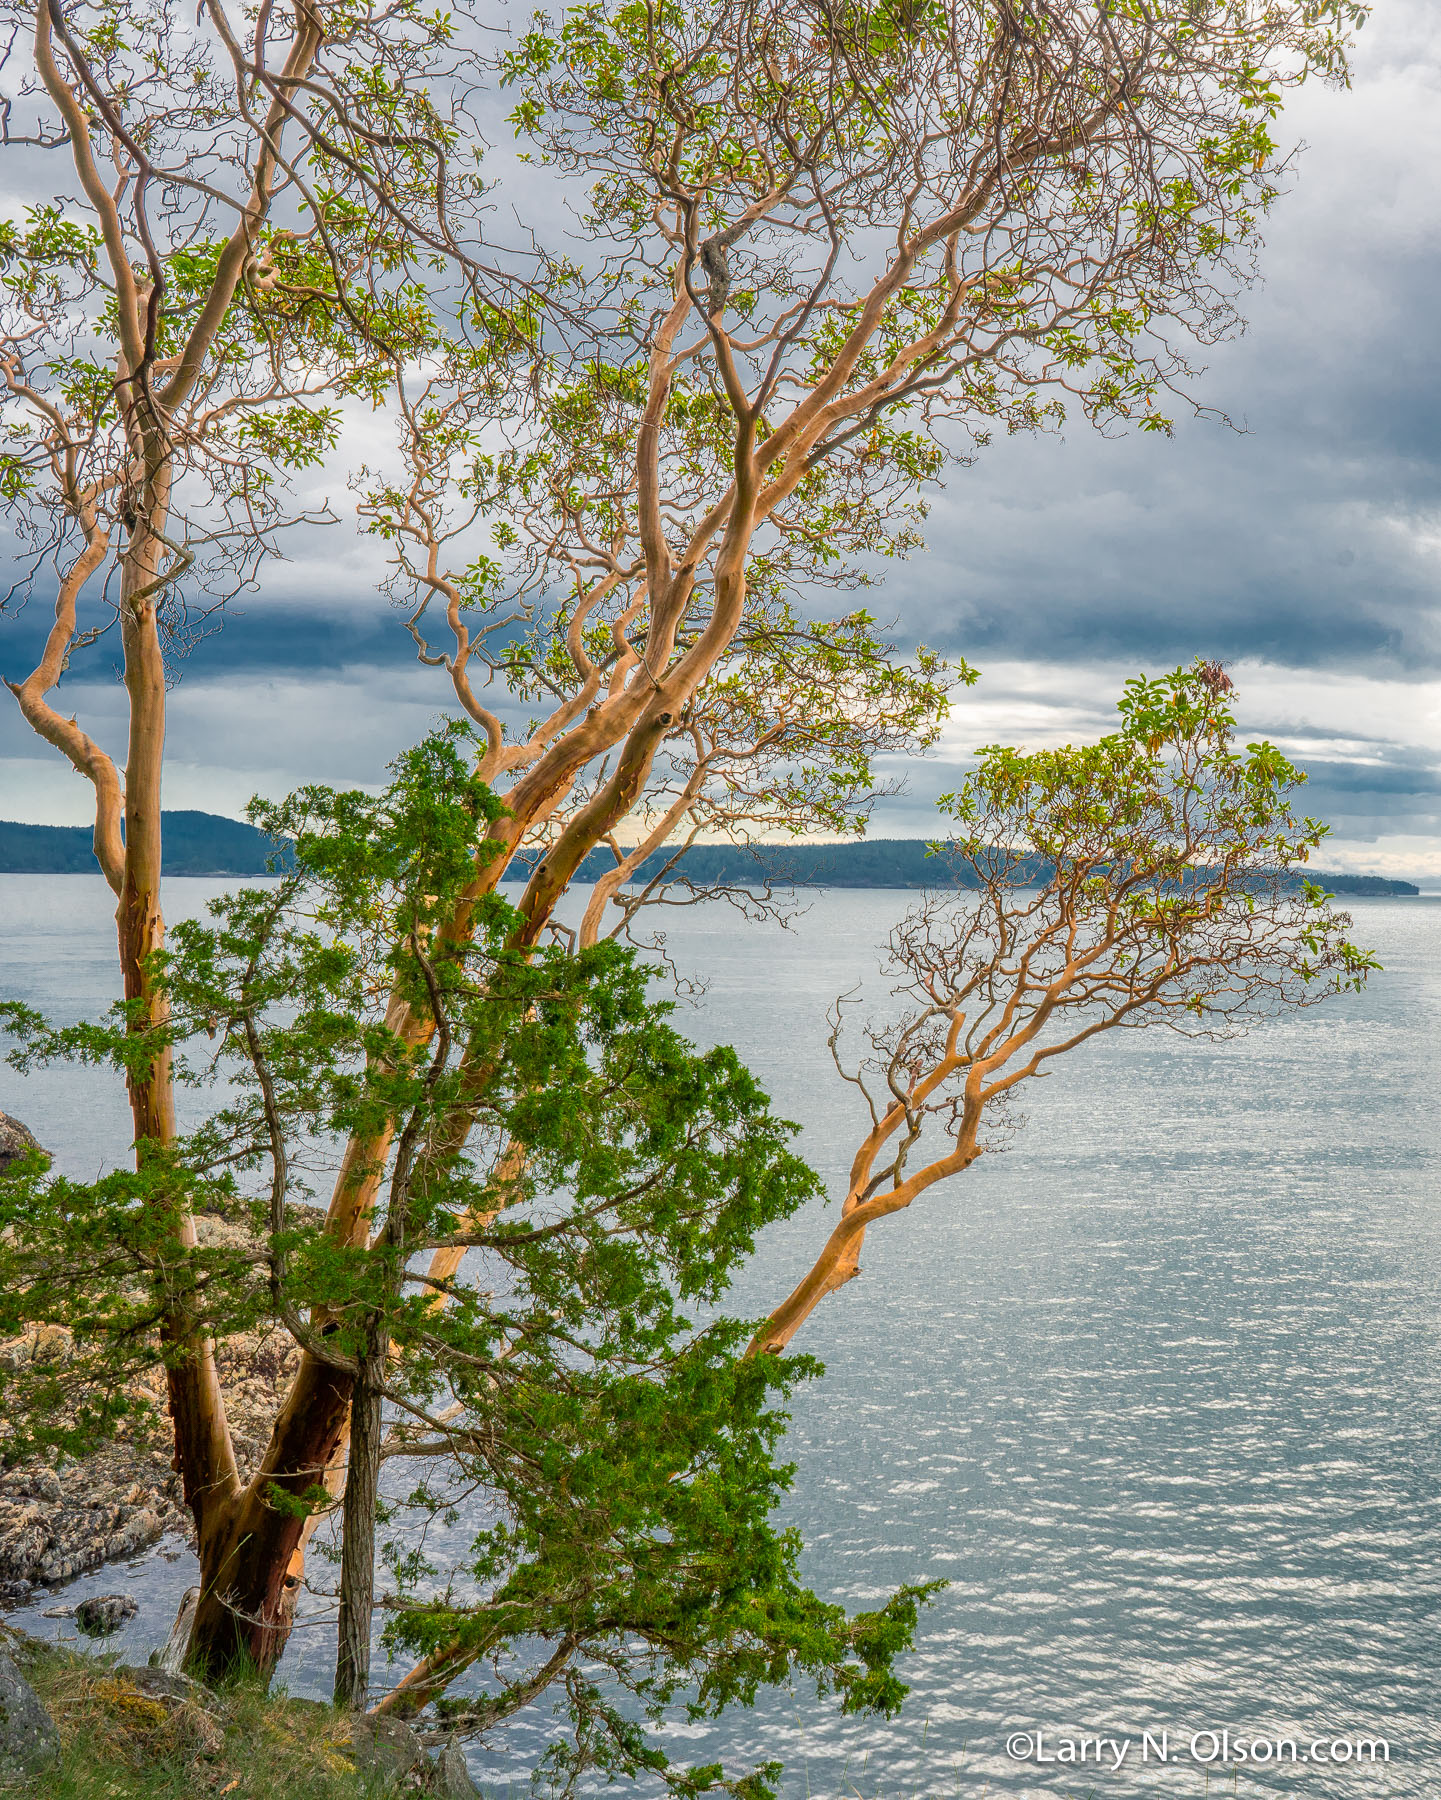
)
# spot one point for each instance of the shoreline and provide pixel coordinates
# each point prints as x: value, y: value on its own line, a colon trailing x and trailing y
x: 62, y: 1518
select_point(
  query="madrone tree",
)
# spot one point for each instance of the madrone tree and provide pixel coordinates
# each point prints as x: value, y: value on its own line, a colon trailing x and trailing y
x: 821, y: 252
x: 248, y: 208
x: 1152, y: 879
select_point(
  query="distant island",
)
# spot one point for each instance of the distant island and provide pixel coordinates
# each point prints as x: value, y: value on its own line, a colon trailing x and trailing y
x: 201, y: 843
x: 196, y: 843
x: 878, y: 863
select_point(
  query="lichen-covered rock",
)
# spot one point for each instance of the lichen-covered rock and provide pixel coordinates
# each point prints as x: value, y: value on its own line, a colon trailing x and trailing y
x: 190, y: 1707
x: 36, y: 1484
x: 161, y: 1684
x: 153, y: 1723
x: 28, y: 1739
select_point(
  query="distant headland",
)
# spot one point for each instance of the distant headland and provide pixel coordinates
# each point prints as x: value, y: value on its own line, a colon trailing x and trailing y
x: 196, y: 843
x: 201, y: 843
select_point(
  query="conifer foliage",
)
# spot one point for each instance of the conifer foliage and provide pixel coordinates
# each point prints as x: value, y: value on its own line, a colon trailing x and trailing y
x: 577, y: 1389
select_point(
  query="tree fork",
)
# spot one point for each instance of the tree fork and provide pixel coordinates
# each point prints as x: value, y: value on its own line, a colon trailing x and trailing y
x: 251, y: 1563
x: 253, y: 1560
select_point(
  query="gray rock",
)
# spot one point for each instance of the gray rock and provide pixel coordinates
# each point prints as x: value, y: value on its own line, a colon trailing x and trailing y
x: 195, y: 1726
x: 449, y: 1776
x: 34, y: 1484
x: 28, y: 1739
x: 15, y: 1140
x: 25, y: 1537
x: 103, y: 1613
x: 41, y: 1544
x: 385, y: 1748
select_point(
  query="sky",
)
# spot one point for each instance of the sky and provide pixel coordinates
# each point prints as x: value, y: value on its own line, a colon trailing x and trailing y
x: 1300, y: 545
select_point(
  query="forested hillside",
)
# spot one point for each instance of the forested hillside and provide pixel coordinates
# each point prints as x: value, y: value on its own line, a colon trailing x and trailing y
x: 200, y: 843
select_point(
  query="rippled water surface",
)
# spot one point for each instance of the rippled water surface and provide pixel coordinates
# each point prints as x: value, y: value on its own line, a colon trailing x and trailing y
x: 1157, y: 1392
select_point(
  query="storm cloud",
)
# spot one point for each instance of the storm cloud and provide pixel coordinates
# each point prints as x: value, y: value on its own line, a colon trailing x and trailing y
x: 1300, y: 543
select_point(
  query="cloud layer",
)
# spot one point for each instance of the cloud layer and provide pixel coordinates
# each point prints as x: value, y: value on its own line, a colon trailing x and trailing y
x: 1304, y: 549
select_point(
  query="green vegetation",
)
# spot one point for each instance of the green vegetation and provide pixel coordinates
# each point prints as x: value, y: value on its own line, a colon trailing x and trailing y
x: 119, y: 1743
x: 609, y: 1182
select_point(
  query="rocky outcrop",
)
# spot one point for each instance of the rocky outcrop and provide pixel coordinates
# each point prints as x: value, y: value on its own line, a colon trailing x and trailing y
x: 56, y: 1524
x: 15, y: 1140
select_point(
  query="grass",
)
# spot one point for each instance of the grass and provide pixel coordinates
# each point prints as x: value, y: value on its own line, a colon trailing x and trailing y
x: 118, y: 1744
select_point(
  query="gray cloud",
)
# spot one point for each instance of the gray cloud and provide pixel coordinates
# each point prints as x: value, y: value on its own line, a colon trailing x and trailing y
x: 1305, y: 549
x: 1311, y: 540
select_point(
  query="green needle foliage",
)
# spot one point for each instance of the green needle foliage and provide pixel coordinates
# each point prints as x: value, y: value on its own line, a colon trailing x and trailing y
x: 572, y: 1384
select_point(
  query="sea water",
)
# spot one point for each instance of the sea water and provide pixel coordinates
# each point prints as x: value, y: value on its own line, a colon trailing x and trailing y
x: 1157, y: 1391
